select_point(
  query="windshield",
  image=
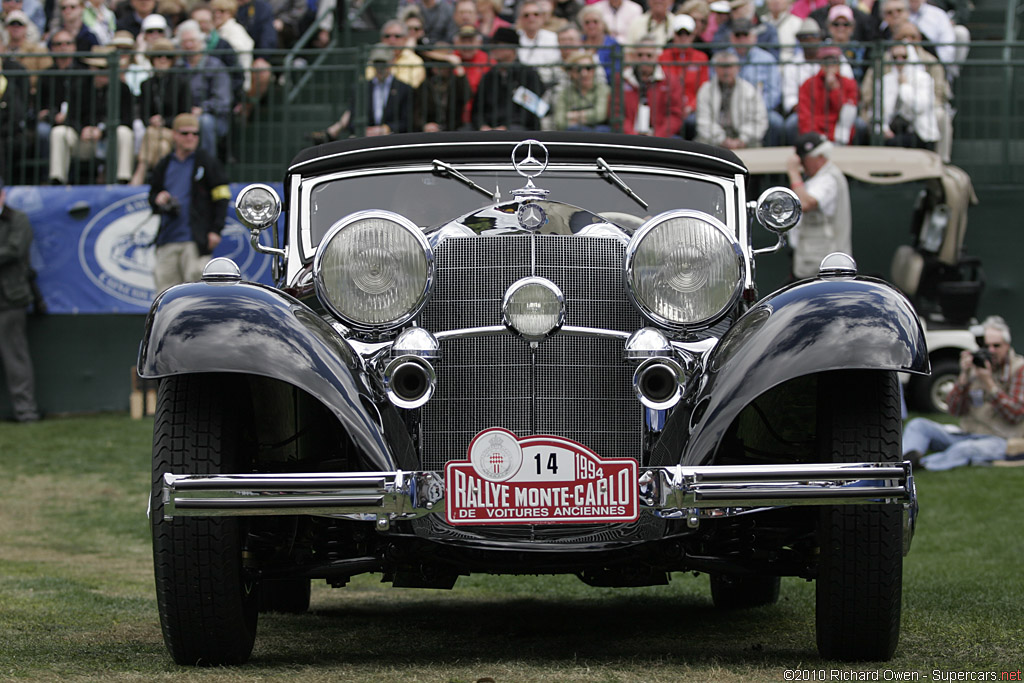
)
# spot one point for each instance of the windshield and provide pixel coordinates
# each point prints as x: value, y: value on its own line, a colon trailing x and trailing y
x: 430, y: 200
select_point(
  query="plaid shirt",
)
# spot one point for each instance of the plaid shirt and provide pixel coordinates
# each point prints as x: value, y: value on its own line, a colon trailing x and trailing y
x: 1008, y: 401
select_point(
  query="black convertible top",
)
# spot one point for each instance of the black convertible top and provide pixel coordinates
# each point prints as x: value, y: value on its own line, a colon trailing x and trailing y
x: 493, y: 146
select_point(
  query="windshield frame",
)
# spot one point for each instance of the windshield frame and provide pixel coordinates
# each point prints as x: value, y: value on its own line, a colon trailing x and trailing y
x: 307, y: 186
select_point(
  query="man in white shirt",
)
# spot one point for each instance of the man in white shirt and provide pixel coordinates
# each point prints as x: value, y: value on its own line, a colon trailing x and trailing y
x: 827, y: 224
x: 538, y: 46
x: 935, y: 26
x: 657, y: 21
x: 619, y: 15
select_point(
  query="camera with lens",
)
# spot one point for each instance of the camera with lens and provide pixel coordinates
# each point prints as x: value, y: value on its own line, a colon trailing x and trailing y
x: 981, y: 356
x: 172, y: 208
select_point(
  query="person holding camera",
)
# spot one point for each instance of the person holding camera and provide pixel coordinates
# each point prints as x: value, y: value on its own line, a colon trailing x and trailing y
x: 989, y: 400
x: 189, y: 189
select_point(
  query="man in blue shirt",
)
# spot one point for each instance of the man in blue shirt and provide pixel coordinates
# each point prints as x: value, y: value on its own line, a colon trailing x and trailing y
x: 759, y: 68
x: 189, y: 190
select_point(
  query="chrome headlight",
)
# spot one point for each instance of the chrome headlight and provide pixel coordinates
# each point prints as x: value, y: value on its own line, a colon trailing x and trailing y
x: 374, y: 270
x: 683, y: 268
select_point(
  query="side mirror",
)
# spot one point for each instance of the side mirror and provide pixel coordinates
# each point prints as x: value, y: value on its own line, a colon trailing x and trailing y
x: 779, y: 210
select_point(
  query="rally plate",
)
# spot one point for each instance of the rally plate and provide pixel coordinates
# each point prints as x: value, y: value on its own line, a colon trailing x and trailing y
x: 538, y: 480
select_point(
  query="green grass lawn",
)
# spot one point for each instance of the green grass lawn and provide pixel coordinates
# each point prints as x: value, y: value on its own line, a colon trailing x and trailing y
x: 77, y: 599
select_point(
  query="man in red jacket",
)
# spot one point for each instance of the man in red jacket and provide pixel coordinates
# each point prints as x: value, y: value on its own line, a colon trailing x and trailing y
x: 823, y: 97
x: 681, y: 61
x: 651, y: 104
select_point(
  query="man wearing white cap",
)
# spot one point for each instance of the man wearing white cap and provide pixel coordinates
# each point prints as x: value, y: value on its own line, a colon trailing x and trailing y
x: 827, y: 224
x: 681, y: 61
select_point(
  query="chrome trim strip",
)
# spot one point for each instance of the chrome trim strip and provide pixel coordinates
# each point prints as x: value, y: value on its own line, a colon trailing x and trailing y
x: 501, y: 329
x: 692, y: 492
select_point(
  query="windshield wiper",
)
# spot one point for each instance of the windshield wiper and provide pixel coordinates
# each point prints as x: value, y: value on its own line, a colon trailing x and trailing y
x: 444, y: 170
x: 612, y: 177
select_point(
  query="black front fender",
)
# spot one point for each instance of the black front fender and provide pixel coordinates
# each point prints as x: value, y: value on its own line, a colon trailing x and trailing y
x: 253, y: 329
x: 810, y: 327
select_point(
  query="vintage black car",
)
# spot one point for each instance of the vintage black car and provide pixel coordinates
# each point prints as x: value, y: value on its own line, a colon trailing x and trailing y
x: 493, y: 354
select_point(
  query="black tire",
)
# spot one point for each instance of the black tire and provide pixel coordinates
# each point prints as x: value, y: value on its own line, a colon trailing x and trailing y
x: 287, y: 596
x: 929, y: 393
x: 208, y: 605
x: 860, y: 574
x: 744, y: 592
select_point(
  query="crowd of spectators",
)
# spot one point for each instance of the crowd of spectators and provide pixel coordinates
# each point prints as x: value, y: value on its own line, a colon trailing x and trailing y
x: 733, y: 72
x: 209, y: 58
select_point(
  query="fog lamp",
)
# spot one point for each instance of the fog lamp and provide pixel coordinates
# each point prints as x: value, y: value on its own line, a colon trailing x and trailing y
x: 534, y: 308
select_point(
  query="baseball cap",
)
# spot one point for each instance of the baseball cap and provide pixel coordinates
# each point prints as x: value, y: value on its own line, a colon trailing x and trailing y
x: 161, y: 46
x: 505, y: 36
x: 683, y: 22
x: 380, y: 54
x: 809, y: 27
x: 812, y: 144
x: 467, y: 32
x: 840, y: 11
x: 829, y: 51
x: 185, y: 121
x: 154, y: 21
x: 123, y: 39
x: 17, y: 17
x: 100, y: 52
x: 742, y: 26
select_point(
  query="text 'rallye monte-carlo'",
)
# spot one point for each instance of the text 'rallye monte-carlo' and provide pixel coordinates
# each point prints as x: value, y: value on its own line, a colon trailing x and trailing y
x: 490, y: 354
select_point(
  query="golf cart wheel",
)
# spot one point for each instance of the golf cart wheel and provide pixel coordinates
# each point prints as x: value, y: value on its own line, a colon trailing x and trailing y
x: 930, y: 393
x: 207, y: 603
x: 744, y: 592
x: 859, y: 584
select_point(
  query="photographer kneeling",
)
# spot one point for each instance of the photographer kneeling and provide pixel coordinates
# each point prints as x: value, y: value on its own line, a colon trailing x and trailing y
x: 989, y: 399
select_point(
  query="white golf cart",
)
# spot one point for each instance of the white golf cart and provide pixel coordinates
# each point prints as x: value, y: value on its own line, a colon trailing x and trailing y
x: 935, y: 273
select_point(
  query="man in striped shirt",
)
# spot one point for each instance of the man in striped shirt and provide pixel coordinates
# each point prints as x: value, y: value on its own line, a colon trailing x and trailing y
x: 989, y: 400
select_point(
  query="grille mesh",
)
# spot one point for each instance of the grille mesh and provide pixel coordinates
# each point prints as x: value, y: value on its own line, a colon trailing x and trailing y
x: 575, y: 387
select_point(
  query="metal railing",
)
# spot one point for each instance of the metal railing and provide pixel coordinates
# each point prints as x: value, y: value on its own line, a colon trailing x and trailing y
x: 311, y: 89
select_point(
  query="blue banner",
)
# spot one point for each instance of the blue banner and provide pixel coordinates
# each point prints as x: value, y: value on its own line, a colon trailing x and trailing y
x: 92, y: 248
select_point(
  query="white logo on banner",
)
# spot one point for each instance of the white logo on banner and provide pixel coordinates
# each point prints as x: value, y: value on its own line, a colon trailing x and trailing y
x: 115, y: 250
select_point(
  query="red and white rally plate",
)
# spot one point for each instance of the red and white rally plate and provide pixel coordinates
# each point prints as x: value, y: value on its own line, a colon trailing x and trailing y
x: 538, y: 480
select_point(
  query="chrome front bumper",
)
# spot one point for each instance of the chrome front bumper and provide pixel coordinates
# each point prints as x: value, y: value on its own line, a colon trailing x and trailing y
x: 690, y: 493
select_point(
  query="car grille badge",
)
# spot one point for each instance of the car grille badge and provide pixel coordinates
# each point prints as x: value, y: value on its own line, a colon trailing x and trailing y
x: 531, y: 217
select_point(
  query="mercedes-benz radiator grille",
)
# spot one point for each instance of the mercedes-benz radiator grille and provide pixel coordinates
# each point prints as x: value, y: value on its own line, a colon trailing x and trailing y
x: 571, y: 386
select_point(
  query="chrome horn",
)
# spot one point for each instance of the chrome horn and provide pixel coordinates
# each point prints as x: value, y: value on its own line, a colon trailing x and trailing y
x: 409, y: 381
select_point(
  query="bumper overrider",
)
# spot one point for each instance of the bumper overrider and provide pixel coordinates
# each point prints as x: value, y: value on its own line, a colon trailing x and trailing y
x: 679, y: 492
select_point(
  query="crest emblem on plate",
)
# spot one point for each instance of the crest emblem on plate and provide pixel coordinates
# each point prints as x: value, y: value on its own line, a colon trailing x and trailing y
x: 530, y: 158
x: 531, y: 217
x: 497, y: 456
